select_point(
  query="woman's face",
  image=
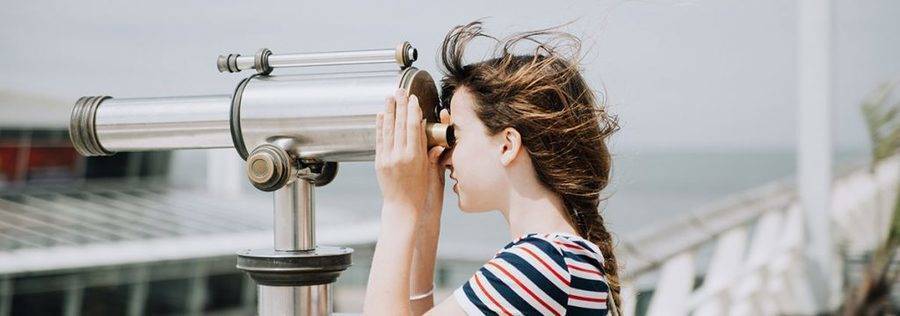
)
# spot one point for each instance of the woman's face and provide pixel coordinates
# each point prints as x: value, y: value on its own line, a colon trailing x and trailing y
x: 474, y: 163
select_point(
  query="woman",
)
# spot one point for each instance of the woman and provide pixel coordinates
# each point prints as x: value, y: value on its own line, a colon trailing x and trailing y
x: 530, y: 144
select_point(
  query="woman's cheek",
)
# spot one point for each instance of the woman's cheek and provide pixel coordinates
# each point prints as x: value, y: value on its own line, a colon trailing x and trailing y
x: 461, y: 170
x: 472, y: 189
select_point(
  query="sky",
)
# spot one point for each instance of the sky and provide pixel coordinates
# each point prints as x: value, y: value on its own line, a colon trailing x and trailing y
x: 679, y: 74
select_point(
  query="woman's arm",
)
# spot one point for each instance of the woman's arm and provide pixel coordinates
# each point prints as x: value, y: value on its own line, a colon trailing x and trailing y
x: 388, y: 290
x: 402, y: 169
x: 413, y: 189
x: 385, y: 294
x: 427, y: 234
x: 423, y: 261
x: 428, y: 231
x: 449, y: 307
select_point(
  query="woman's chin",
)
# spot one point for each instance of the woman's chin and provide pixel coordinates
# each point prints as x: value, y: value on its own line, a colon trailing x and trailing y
x: 462, y: 205
x: 466, y: 208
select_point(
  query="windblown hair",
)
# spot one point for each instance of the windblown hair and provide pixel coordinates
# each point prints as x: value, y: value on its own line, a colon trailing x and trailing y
x: 542, y: 95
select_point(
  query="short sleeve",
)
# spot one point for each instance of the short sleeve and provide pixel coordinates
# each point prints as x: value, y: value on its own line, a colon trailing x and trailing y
x: 528, y: 278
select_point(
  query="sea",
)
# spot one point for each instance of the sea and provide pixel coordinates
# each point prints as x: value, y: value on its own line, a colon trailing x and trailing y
x: 648, y: 187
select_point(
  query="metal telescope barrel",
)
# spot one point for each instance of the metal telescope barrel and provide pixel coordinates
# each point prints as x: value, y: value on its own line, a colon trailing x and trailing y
x: 104, y: 125
x: 330, y: 117
x: 326, y: 117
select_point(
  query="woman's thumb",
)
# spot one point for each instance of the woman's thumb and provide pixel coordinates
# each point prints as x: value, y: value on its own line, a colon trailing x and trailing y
x: 435, y: 153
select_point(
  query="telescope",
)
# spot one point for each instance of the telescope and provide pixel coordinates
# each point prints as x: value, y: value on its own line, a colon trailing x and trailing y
x: 292, y: 130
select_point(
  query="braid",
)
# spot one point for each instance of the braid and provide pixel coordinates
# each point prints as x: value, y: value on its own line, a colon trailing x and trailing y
x: 593, y: 228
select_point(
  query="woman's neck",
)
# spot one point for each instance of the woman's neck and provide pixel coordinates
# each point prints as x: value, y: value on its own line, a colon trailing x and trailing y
x: 536, y: 210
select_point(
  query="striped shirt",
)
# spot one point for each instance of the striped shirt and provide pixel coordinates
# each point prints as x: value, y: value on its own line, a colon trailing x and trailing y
x: 539, y: 274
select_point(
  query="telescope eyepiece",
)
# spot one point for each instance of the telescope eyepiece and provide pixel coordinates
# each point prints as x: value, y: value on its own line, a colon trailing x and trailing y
x: 440, y: 135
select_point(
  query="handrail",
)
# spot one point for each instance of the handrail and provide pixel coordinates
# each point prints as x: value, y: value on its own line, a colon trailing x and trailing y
x: 647, y: 248
x: 757, y: 238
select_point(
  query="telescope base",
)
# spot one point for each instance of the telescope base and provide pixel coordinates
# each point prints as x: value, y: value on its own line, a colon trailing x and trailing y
x: 270, y: 267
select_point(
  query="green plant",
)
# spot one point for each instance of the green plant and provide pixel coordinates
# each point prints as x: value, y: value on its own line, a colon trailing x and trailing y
x: 872, y: 295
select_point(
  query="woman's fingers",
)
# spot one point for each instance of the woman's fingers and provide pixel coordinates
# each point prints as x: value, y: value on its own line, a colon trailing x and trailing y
x: 379, y: 137
x: 434, y: 154
x: 415, y: 127
x: 400, y: 119
x: 445, y: 117
x: 390, y: 107
x: 401, y: 127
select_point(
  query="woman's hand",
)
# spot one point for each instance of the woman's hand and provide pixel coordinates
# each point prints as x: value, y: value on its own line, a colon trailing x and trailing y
x: 404, y: 172
x: 400, y: 154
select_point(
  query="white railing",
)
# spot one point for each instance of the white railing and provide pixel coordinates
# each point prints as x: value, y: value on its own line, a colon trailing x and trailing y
x: 748, y: 247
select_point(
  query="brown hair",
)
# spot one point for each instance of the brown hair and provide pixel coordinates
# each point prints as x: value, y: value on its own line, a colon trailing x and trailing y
x: 543, y: 96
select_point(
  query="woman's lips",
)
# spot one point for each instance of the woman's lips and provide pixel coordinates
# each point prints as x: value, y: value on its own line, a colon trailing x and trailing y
x: 455, y: 189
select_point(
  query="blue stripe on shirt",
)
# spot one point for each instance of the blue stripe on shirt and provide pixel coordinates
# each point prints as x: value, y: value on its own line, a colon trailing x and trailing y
x: 508, y: 294
x: 583, y: 258
x: 548, y: 249
x: 589, y: 284
x: 476, y: 301
x: 537, y: 277
x: 578, y: 311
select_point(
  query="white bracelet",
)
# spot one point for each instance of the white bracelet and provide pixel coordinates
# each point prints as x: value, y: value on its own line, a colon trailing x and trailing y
x: 423, y: 295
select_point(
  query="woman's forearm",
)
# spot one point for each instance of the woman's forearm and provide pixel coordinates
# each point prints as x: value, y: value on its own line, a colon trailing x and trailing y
x: 388, y: 290
x: 423, y: 263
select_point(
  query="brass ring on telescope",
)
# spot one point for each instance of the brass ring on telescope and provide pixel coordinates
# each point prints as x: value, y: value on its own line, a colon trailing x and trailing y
x: 261, y: 62
x: 405, y: 54
x: 419, y: 83
x: 82, y: 128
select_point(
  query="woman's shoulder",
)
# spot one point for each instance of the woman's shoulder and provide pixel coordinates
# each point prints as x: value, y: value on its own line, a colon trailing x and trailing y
x: 541, y: 274
x: 558, y: 245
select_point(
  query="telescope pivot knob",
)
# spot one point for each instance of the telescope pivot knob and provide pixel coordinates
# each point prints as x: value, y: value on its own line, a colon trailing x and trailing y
x: 269, y: 167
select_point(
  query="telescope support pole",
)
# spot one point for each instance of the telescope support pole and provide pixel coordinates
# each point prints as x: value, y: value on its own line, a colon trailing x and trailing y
x: 295, y: 232
x: 295, y: 300
x: 295, y: 216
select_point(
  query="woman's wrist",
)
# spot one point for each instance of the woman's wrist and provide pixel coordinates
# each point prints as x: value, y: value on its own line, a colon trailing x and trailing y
x: 400, y: 210
x: 413, y: 296
x: 404, y: 204
x: 400, y: 219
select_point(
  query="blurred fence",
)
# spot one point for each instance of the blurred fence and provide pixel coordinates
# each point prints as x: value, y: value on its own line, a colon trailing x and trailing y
x: 744, y: 254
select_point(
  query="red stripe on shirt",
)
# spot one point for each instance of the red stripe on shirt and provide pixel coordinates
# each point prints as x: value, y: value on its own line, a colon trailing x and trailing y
x: 545, y: 265
x: 584, y: 270
x: 483, y: 290
x: 547, y: 306
x: 574, y: 246
x: 589, y: 299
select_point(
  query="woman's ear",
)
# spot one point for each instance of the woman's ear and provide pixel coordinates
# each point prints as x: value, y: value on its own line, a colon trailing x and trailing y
x: 512, y: 145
